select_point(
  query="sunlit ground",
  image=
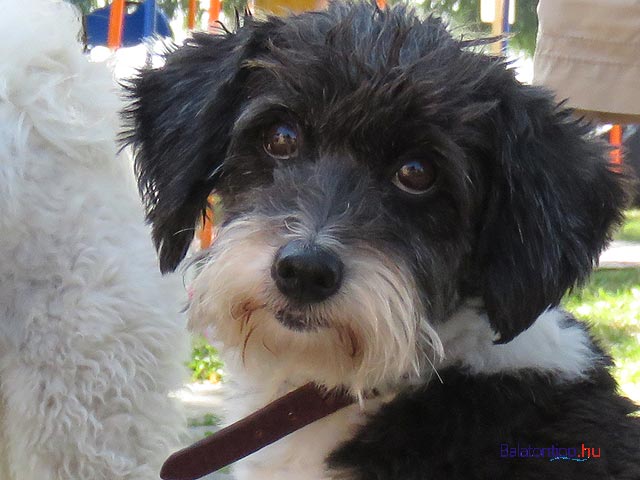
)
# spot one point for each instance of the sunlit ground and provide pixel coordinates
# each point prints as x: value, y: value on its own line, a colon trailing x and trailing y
x: 610, y: 303
x: 630, y: 231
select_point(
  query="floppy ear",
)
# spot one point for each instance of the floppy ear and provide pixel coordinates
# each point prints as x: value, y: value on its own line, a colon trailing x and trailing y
x: 182, y: 114
x: 552, y: 202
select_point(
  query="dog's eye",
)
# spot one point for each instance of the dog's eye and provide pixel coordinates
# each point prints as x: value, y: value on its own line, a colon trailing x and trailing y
x: 414, y: 177
x: 281, y: 141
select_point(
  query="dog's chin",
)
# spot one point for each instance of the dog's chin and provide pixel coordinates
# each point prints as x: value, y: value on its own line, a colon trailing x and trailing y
x: 298, y: 345
x: 299, y: 320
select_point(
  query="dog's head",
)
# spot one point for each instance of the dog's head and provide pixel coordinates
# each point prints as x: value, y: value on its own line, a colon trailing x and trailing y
x: 375, y: 172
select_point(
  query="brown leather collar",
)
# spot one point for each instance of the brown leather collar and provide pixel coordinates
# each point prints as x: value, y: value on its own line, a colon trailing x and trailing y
x: 269, y: 424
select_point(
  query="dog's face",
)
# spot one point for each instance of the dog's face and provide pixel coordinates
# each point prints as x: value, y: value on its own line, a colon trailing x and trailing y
x: 375, y: 173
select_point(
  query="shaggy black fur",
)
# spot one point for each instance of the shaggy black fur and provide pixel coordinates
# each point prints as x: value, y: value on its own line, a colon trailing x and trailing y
x: 521, y: 208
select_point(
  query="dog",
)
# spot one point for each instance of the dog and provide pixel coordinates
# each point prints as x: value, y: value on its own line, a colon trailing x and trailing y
x: 91, y: 336
x: 402, y: 219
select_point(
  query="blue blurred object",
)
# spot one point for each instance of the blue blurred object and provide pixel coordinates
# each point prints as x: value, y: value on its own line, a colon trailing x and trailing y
x: 144, y: 22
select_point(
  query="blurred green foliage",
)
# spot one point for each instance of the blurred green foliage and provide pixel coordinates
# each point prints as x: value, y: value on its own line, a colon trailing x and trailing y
x: 205, y: 363
x: 465, y: 15
x: 630, y: 231
x: 610, y: 304
x: 207, y: 420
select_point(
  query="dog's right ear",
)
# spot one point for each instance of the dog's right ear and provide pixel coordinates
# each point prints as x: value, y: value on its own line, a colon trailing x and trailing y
x: 552, y: 202
x: 180, y: 119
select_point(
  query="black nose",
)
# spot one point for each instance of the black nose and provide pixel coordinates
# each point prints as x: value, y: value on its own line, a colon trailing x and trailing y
x: 306, y: 273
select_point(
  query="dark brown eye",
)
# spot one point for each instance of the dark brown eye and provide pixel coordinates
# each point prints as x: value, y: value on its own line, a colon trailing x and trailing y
x: 414, y: 177
x: 281, y: 141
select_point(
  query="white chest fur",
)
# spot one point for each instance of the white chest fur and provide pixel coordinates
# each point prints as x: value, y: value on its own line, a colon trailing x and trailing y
x: 302, y: 455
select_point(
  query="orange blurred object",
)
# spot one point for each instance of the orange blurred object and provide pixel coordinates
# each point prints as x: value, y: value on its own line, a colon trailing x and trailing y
x: 191, y: 15
x: 214, y: 12
x: 116, y: 21
x: 615, y: 139
x: 206, y: 231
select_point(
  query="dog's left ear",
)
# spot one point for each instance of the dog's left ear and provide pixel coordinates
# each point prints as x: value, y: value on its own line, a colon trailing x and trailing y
x: 180, y: 120
x: 552, y: 201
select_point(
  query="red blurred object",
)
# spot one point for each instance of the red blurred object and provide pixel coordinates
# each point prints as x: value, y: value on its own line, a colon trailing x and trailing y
x: 615, y: 139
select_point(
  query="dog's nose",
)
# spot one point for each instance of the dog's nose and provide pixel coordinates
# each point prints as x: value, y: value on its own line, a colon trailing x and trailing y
x: 306, y: 273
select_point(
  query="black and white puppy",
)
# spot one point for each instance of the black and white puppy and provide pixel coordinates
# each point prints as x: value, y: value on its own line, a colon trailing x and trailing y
x: 402, y: 220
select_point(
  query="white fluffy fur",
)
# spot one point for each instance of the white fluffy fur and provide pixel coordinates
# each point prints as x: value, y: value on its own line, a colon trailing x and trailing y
x: 549, y: 345
x: 91, y: 340
x: 302, y: 455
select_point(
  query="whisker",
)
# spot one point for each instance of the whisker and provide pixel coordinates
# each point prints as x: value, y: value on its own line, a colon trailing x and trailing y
x: 246, y: 341
x: 435, y: 370
x: 264, y: 344
x: 190, y: 229
x: 355, y: 345
x: 245, y: 321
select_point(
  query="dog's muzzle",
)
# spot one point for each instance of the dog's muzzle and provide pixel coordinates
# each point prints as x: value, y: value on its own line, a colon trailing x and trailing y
x: 306, y: 273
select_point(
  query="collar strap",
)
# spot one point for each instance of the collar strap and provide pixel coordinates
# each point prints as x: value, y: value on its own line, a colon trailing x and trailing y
x: 269, y: 424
